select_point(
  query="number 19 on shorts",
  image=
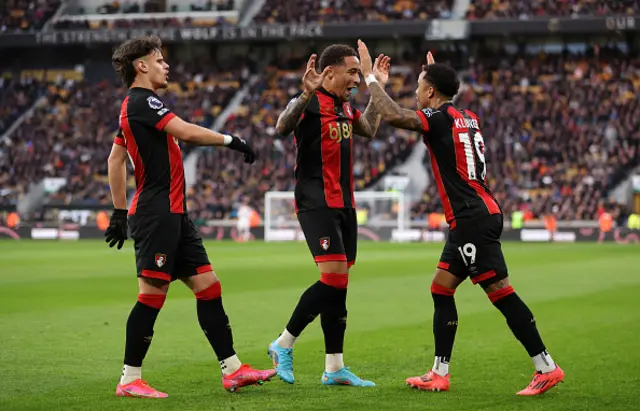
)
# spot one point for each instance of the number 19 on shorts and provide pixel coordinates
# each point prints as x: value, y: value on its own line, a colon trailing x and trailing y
x: 468, y: 254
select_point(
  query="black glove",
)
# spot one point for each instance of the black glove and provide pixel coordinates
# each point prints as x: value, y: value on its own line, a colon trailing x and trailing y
x: 240, y: 145
x: 117, y: 230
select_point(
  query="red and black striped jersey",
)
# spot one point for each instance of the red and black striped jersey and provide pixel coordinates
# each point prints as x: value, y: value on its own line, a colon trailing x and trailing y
x: 457, y: 151
x: 154, y: 154
x: 324, y: 161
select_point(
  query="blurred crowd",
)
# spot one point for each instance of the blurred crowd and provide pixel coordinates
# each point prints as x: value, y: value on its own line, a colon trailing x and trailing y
x: 157, y: 23
x: 525, y: 9
x: 561, y: 130
x: 158, y: 6
x: 26, y: 15
x: 330, y: 11
x: 16, y: 97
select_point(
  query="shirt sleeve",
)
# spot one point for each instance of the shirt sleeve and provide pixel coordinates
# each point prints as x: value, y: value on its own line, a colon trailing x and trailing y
x: 151, y: 111
x: 430, y: 119
x: 356, y: 113
x: 119, y: 139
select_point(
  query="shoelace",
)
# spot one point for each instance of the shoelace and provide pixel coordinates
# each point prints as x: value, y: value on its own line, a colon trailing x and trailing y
x: 286, y: 359
x: 427, y: 377
x: 351, y: 375
x: 536, y: 377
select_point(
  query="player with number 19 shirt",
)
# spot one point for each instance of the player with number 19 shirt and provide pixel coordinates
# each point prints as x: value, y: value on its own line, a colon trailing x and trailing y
x: 456, y: 146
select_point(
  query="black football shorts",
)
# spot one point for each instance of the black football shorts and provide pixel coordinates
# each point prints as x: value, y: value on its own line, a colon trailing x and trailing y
x: 473, y: 250
x: 331, y: 234
x: 168, y: 247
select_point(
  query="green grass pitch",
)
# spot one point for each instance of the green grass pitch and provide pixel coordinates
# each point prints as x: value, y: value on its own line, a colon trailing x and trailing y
x: 63, y: 307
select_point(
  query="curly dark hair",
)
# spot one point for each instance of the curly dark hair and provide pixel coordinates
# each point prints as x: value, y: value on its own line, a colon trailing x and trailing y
x: 335, y: 55
x: 131, y: 50
x: 443, y: 78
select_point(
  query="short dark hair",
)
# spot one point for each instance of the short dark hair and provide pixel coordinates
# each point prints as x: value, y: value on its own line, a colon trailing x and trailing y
x: 128, y: 52
x: 335, y: 55
x: 443, y: 78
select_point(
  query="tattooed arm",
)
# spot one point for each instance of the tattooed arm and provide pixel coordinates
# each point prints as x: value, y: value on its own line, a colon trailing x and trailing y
x: 391, y: 112
x: 292, y: 115
x: 368, y: 123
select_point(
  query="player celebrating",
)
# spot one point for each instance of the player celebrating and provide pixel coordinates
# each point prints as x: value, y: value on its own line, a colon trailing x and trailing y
x: 167, y: 244
x: 323, y: 122
x: 475, y: 220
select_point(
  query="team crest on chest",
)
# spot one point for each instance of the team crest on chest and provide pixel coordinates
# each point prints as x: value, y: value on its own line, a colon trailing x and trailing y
x: 325, y: 243
x: 161, y: 259
x: 347, y: 110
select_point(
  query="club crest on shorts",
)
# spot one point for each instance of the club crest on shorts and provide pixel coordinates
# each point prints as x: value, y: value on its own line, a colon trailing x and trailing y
x: 161, y: 259
x: 325, y: 243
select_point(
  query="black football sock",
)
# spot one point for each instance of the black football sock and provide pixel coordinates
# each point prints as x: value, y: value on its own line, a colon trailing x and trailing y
x: 309, y: 306
x: 519, y: 318
x: 214, y: 321
x: 140, y: 328
x: 333, y: 319
x: 445, y: 325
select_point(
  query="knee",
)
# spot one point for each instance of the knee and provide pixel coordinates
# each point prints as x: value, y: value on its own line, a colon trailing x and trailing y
x: 498, y: 289
x: 202, y: 282
x: 206, y: 286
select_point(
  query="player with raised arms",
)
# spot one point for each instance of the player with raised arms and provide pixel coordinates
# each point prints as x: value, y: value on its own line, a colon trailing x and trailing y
x: 323, y: 122
x: 473, y: 248
x: 167, y: 244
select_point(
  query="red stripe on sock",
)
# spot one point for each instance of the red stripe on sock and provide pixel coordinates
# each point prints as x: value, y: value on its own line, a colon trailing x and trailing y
x: 350, y: 264
x: 214, y: 291
x: 335, y: 280
x: 483, y: 276
x: 152, y: 300
x: 439, y: 289
x: 501, y: 293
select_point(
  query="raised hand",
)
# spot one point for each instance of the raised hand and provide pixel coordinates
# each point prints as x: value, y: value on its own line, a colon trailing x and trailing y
x: 430, y: 59
x: 366, y: 67
x: 312, y: 80
x: 381, y: 69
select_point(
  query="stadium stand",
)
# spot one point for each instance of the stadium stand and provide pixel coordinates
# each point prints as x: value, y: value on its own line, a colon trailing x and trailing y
x: 303, y: 11
x: 16, y: 96
x: 147, y: 6
x: 525, y: 9
x: 168, y: 22
x: 550, y: 148
x: 96, y: 15
x: 26, y: 15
